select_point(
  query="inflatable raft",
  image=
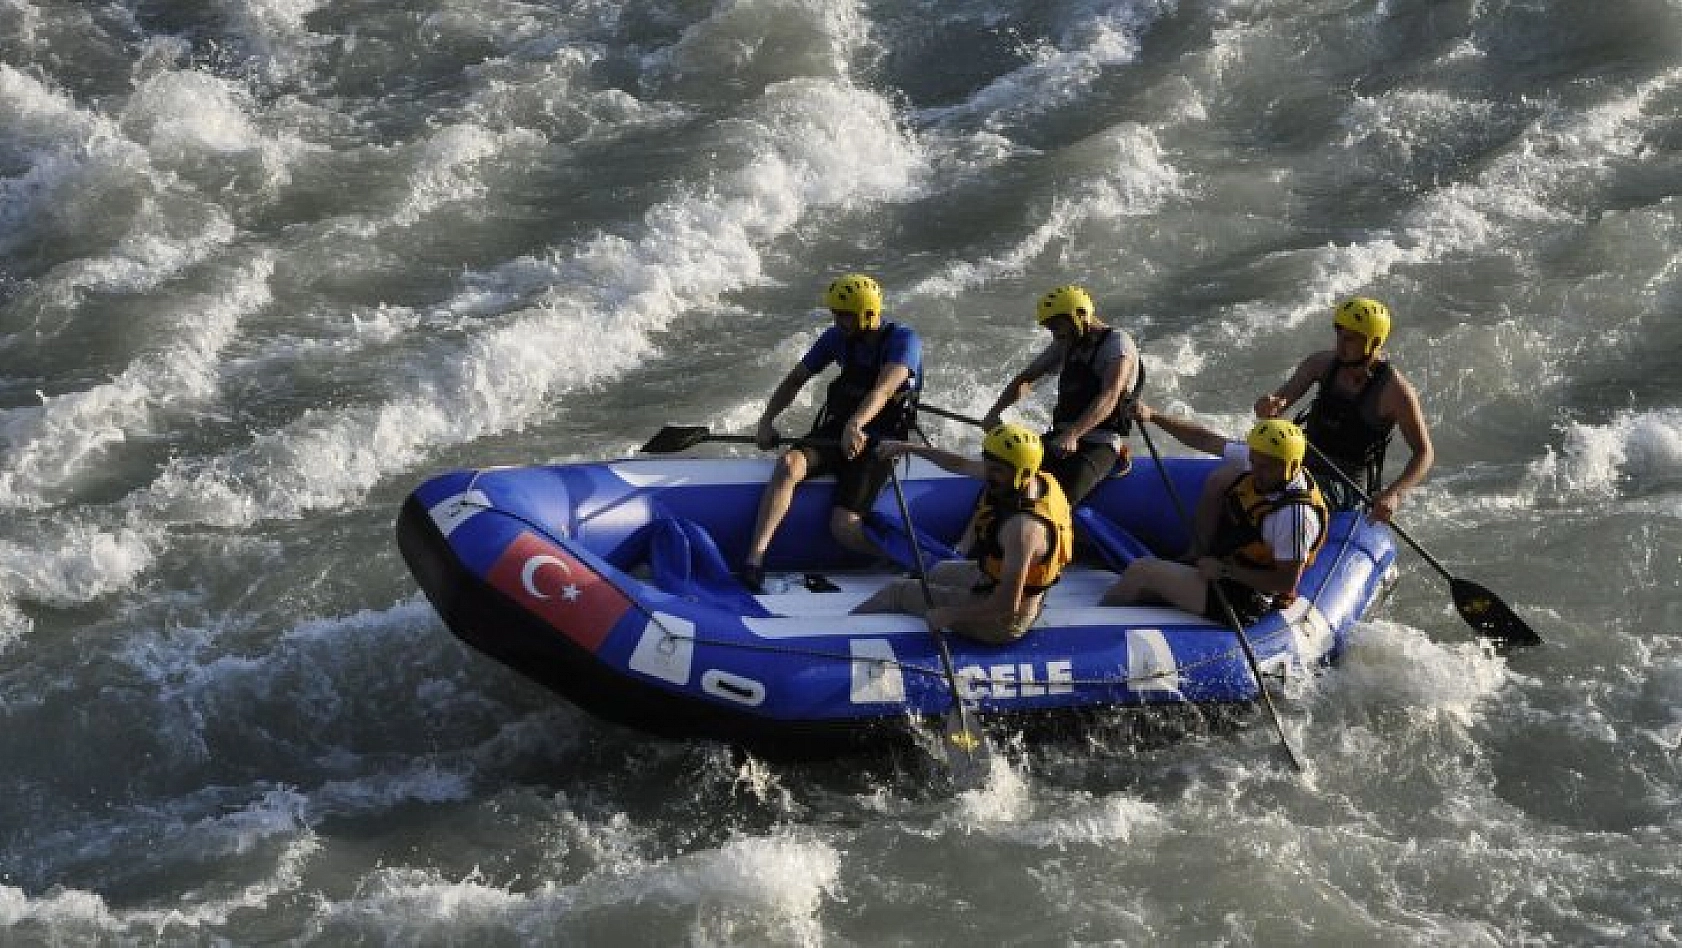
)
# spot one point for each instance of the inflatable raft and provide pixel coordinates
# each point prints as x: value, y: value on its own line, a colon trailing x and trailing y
x: 611, y: 584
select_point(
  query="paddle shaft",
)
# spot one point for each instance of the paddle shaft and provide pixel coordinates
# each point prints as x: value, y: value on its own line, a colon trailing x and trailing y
x: 1226, y: 608
x: 1349, y: 482
x: 946, y: 663
x: 931, y: 409
x: 1481, y: 609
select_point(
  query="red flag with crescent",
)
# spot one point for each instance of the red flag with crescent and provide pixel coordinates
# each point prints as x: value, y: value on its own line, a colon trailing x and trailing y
x: 549, y: 582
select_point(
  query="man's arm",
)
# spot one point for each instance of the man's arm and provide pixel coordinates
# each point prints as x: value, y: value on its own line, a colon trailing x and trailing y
x: 956, y: 463
x: 1116, y: 376
x: 1024, y: 540
x: 1187, y: 432
x: 1290, y: 533
x: 1309, y: 371
x: 781, y: 397
x: 1021, y: 384
x: 1402, y: 404
x: 888, y: 381
x: 1279, y: 579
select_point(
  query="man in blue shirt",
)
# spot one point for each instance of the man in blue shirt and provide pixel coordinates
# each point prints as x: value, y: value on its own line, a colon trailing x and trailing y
x: 873, y: 398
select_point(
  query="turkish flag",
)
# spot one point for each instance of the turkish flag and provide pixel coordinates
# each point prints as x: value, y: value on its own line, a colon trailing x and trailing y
x: 550, y: 583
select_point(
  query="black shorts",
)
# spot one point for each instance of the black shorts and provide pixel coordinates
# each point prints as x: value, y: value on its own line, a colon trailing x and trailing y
x: 1079, y: 472
x: 857, y: 480
x: 1247, y: 603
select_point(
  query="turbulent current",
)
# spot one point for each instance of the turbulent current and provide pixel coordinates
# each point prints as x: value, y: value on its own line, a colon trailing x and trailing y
x: 266, y: 264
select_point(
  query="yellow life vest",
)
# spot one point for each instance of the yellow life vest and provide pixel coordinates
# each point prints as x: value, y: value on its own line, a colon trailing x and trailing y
x: 1239, y: 533
x: 1052, y: 508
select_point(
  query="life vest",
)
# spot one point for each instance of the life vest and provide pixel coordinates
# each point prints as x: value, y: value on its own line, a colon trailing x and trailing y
x: 1238, y: 533
x: 1079, y: 383
x: 1051, y: 508
x: 859, y: 371
x: 1347, y: 428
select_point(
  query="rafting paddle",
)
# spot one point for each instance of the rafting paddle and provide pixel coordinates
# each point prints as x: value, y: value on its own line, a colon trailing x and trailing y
x: 965, y: 419
x: 1227, y: 610
x: 966, y: 747
x: 1483, y: 610
x: 674, y: 438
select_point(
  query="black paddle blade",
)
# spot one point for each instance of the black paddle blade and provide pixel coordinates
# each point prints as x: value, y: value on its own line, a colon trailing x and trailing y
x: 968, y: 757
x: 1489, y: 616
x: 674, y: 438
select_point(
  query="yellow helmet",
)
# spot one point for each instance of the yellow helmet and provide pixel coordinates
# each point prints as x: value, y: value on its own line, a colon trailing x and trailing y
x: 1366, y: 317
x: 1280, y: 439
x: 1016, y: 446
x: 1068, y: 300
x: 858, y: 294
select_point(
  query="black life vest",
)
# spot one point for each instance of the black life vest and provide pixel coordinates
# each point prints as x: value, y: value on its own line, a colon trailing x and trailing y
x: 1238, y: 534
x: 859, y: 372
x: 1051, y: 508
x: 1079, y: 383
x: 1347, y: 428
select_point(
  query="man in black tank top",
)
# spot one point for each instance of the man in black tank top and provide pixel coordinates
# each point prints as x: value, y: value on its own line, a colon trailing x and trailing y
x: 1097, y: 369
x: 1361, y: 400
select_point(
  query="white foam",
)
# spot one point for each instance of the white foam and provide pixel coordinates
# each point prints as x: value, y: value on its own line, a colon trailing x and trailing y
x: 780, y: 876
x: 448, y: 170
x: 1136, y: 179
x: 588, y: 317
x: 1389, y: 663
x: 67, y: 913
x: 49, y: 445
x: 762, y: 889
x: 1078, y: 820
x: 177, y: 114
x: 1631, y: 451
x: 1537, y: 181
x: 1058, y: 71
x: 81, y: 166
x: 753, y: 43
x: 77, y: 563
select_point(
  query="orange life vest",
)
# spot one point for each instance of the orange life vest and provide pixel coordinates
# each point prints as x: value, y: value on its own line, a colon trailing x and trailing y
x: 1051, y: 508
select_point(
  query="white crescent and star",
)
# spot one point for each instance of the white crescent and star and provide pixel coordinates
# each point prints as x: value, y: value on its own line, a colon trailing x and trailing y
x: 528, y: 576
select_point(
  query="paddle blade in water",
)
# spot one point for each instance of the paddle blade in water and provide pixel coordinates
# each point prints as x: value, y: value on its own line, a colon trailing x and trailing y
x: 1489, y: 616
x: 968, y: 758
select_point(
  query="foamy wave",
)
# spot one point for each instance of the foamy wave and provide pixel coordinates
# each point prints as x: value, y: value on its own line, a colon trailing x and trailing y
x: 758, y: 890
x: 1137, y: 179
x: 1056, y: 76
x: 66, y: 150
x: 448, y: 170
x: 590, y: 320
x: 50, y: 445
x: 1391, y: 663
x: 279, y: 44
x: 785, y: 878
x: 202, y: 127
x: 87, y: 179
x: 1117, y: 819
x: 1631, y: 454
x: 59, y: 915
x: 83, y: 564
x: 752, y: 44
x: 1538, y: 179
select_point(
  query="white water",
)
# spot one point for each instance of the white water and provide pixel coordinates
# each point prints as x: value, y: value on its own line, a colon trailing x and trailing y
x: 264, y: 265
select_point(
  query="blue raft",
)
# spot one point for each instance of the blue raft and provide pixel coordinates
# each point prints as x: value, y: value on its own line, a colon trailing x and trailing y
x: 610, y: 583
